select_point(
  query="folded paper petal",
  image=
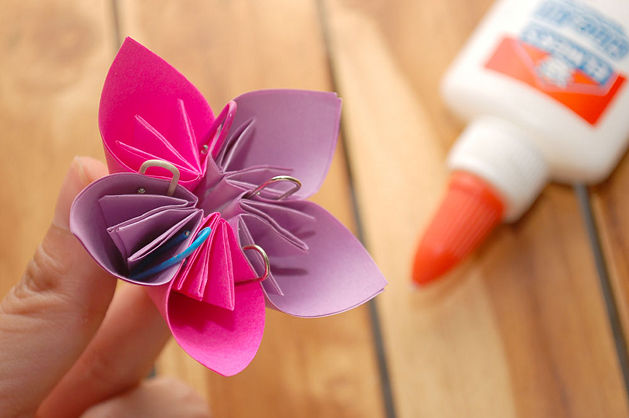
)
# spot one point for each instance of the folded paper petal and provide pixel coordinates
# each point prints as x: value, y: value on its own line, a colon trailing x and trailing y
x: 218, y: 190
x: 213, y: 301
x: 119, y: 208
x: 296, y: 129
x: 335, y: 274
x: 143, y: 239
x: 140, y: 224
x: 215, y: 268
x: 148, y: 108
x: 222, y: 340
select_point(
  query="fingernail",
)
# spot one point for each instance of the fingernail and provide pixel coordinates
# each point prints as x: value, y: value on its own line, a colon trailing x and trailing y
x: 77, y: 163
x: 76, y: 179
x: 90, y: 169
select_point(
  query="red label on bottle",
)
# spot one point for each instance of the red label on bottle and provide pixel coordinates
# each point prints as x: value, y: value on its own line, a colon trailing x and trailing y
x: 572, y: 87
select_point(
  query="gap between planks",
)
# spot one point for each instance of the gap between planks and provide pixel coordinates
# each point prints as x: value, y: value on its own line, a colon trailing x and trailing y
x: 374, y: 316
x: 607, y: 290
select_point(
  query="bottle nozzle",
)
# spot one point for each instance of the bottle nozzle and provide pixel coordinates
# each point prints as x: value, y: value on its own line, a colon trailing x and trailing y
x: 470, y: 209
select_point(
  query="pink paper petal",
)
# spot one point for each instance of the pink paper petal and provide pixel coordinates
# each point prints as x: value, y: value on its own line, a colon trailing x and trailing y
x: 213, y: 270
x: 219, y: 284
x: 222, y: 340
x: 140, y: 83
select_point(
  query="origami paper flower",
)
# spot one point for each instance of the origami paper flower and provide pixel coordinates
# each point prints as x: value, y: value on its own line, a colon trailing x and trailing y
x: 243, y: 178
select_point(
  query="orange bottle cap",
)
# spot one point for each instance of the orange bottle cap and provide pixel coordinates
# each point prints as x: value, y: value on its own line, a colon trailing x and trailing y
x: 470, y: 209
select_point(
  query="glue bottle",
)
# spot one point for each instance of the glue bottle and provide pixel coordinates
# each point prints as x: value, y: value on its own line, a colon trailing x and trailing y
x: 543, y: 86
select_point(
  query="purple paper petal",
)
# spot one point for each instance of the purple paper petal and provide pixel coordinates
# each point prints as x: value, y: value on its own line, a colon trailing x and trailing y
x: 296, y: 129
x: 90, y: 219
x: 335, y: 274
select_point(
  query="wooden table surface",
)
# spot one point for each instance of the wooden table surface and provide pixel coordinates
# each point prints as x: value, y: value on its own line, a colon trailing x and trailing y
x: 532, y: 325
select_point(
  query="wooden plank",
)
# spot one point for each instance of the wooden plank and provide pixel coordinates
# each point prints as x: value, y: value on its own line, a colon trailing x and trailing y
x: 53, y: 60
x: 520, y: 329
x: 305, y: 368
x: 611, y: 205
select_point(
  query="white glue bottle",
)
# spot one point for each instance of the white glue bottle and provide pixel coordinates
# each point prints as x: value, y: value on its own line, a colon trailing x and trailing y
x: 543, y: 86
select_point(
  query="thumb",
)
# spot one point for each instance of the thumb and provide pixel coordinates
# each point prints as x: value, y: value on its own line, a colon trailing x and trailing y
x: 51, y: 314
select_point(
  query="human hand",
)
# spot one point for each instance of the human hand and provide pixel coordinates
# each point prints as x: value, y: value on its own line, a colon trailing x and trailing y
x: 69, y: 346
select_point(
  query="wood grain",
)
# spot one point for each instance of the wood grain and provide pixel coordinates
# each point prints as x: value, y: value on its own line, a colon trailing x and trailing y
x: 611, y: 206
x: 520, y: 329
x: 53, y: 59
x: 306, y: 368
